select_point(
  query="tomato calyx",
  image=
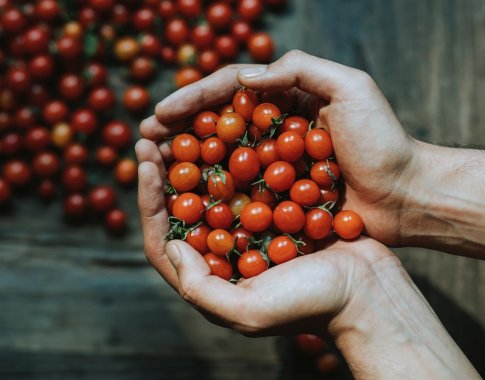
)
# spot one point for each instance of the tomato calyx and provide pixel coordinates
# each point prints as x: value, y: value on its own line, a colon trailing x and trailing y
x: 331, y: 175
x: 212, y: 203
x: 213, y: 172
x: 328, y: 207
x: 298, y: 243
x: 178, y: 229
x: 170, y: 190
x: 244, y: 141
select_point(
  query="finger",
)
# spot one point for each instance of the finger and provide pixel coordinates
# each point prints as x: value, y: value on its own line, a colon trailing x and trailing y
x: 212, y: 90
x: 151, y: 203
x: 152, y: 129
x: 319, y: 77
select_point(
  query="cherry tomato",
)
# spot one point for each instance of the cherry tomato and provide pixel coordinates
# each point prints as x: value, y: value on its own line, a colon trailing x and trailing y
x: 136, y: 99
x: 143, y: 19
x: 219, y: 266
x: 69, y: 48
x: 244, y: 103
x: 296, y: 124
x: 318, y: 223
x: 102, y: 5
x: 208, y: 60
x: 96, y: 74
x: 17, y: 173
x: 185, y: 176
x: 126, y: 49
x: 230, y: 127
x: 327, y: 362
x: 238, y: 202
x: 102, y: 99
x: 328, y: 195
x: 75, y: 154
x: 254, y: 133
x: 264, y: 114
x: 71, y: 87
x: 205, y: 123
x: 106, y: 155
x: 54, y: 112
x: 13, y: 21
x: 219, y: 216
x: 250, y: 10
x: 261, y: 47
x: 289, y: 217
x: 84, y: 121
x: 189, y: 8
x: 221, y: 186
x: 256, y: 217
x: 282, y: 249
x: 142, y: 69
x: 280, y: 176
x: 150, y: 45
x: 186, y: 76
x: 228, y: 108
x: 37, y: 139
x: 115, y: 221
x: 170, y: 200
x: 11, y: 144
x: 267, y: 152
x: 244, y: 164
x: 262, y: 194
x: 305, y: 192
x: 72, y: 29
x: 325, y: 173
x: 251, y: 263
x: 18, y: 79
x: 45, y: 164
x: 102, y: 198
x: 38, y: 95
x: 186, y: 148
x: 188, y: 207
x: 348, y: 224
x: 213, y: 150
x: 167, y: 9
x: 202, y: 35
x: 75, y: 205
x: 36, y: 40
x: 318, y: 144
x: 24, y: 118
x: 117, y: 134
x: 61, y: 135
x: 219, y: 15
x: 41, y: 67
x: 46, y: 189
x: 126, y: 171
x: 308, y: 245
x: 197, y: 238
x: 226, y: 46
x: 186, y: 54
x: 5, y: 121
x: 220, y: 242
x: 310, y: 344
x: 242, y: 238
x: 74, y: 179
x: 290, y: 146
x: 5, y: 191
x: 177, y: 31
x: 241, y: 30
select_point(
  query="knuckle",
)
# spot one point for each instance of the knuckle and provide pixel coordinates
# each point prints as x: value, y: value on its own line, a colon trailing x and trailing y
x: 187, y: 290
x: 363, y: 79
x: 292, y: 56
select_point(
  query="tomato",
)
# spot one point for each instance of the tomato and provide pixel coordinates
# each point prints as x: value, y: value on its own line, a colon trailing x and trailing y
x: 241, y: 30
x: 296, y: 124
x: 219, y: 216
x: 264, y: 114
x: 261, y: 47
x: 38, y: 95
x: 177, y: 31
x: 318, y: 223
x: 262, y: 194
x: 106, y: 155
x: 37, y: 139
x: 45, y: 164
x: 96, y: 74
x: 325, y: 173
x: 167, y: 9
x: 150, y: 45
x: 242, y: 238
x: 143, y: 19
x: 189, y: 8
x: 136, y: 99
x: 219, y: 266
x: 117, y: 134
x: 305, y: 192
x: 17, y: 173
x: 24, y: 118
x: 74, y: 179
x: 71, y: 87
x: 55, y: 112
x: 220, y: 242
x: 280, y: 176
x: 41, y: 67
x: 126, y: 49
x: 102, y: 198
x: 102, y: 99
x: 348, y: 224
x: 290, y: 146
x: 36, y: 40
x: 202, y: 35
x: 244, y: 103
x: 75, y: 154
x: 220, y: 185
x: 84, y: 121
x: 185, y: 176
x: 167, y: 54
x: 61, y: 135
x: 267, y: 152
x: 11, y: 144
x: 72, y: 29
x: 46, y: 189
x: 102, y: 5
x: 227, y: 47
x: 5, y: 191
x: 186, y: 54
x: 219, y: 15
x: 142, y: 69
x: 289, y: 217
x: 254, y: 133
x: 75, y: 205
x: 115, y: 221
x: 205, y: 123
x: 13, y: 21
x: 213, y: 150
x: 329, y: 195
x: 308, y: 245
x: 197, y: 238
x: 228, y: 108
x: 186, y: 76
x: 251, y: 263
x: 318, y: 144
x: 5, y: 121
x: 327, y: 362
x: 310, y: 344
x: 208, y: 60
x: 256, y: 217
x: 244, y: 164
x: 250, y: 10
x: 186, y: 148
x: 230, y: 127
x: 282, y: 249
x: 126, y: 171
x: 69, y: 48
x: 18, y: 79
x: 188, y: 207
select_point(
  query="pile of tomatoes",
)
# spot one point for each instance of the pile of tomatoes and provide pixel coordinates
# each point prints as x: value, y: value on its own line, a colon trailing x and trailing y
x: 57, y: 125
x: 317, y: 350
x: 255, y: 185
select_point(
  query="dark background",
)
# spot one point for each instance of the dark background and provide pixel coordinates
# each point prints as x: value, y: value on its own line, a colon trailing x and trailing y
x: 76, y: 303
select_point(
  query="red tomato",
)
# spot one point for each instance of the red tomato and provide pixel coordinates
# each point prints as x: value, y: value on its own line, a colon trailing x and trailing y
x: 310, y: 344
x: 41, y: 67
x: 185, y: 176
x: 126, y: 171
x: 188, y: 207
x: 38, y: 95
x: 238, y: 202
x: 84, y: 121
x: 106, y: 155
x: 328, y: 196
x: 177, y: 31
x: 221, y: 186
x: 37, y: 139
x: 150, y: 45
x: 117, y: 134
x: 308, y: 245
x: 325, y: 173
x: 76, y: 154
x: 244, y: 103
x: 250, y: 10
x: 251, y: 263
x: 170, y: 200
x: 289, y: 217
x: 280, y: 176
x: 96, y: 74
x: 318, y: 144
x: 318, y: 223
x: 71, y: 87
x: 264, y: 114
x: 290, y: 146
x: 305, y: 192
x: 226, y: 46
x: 220, y: 242
x: 348, y: 224
x: 213, y: 150
x: 219, y: 15
x: 205, y: 123
x: 75, y: 205
x: 296, y: 124
x: 136, y: 99
x: 327, y: 362
x: 186, y: 148
x: 186, y: 76
x: 11, y: 144
x: 13, y: 21
x: 228, y: 108
x: 242, y: 238
x: 74, y: 179
x: 267, y: 152
x: 219, y: 266
x: 55, y: 112
x: 261, y: 47
x: 219, y: 216
x: 102, y: 5
x: 230, y: 127
x: 5, y: 191
x: 18, y: 79
x: 46, y: 189
x: 115, y: 221
x: 126, y: 49
x: 244, y: 164
x: 17, y: 173
x: 256, y: 217
x: 262, y: 194
x: 241, y: 30
x: 102, y: 99
x: 189, y: 8
x: 202, y: 35
x: 282, y: 249
x: 143, y: 19
x: 167, y: 9
x: 24, y: 118
x: 69, y: 48
x: 45, y: 164
x: 197, y: 238
x: 36, y: 40
x: 208, y: 60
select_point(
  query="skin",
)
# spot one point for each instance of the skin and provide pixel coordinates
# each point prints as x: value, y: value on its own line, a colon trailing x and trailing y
x: 407, y: 192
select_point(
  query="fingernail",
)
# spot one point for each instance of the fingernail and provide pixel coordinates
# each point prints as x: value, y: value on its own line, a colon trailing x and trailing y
x: 251, y: 72
x: 173, y: 254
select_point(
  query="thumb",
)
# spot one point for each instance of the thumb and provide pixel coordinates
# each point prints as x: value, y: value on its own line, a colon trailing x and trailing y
x: 186, y: 261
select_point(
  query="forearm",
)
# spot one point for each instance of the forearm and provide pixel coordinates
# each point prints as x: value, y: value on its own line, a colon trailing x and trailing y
x: 445, y: 201
x: 396, y: 335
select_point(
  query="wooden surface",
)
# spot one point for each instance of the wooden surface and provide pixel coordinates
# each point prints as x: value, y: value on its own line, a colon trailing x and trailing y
x: 76, y: 303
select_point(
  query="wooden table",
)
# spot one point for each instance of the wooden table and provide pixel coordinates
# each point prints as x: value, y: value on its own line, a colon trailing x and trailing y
x: 76, y: 303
